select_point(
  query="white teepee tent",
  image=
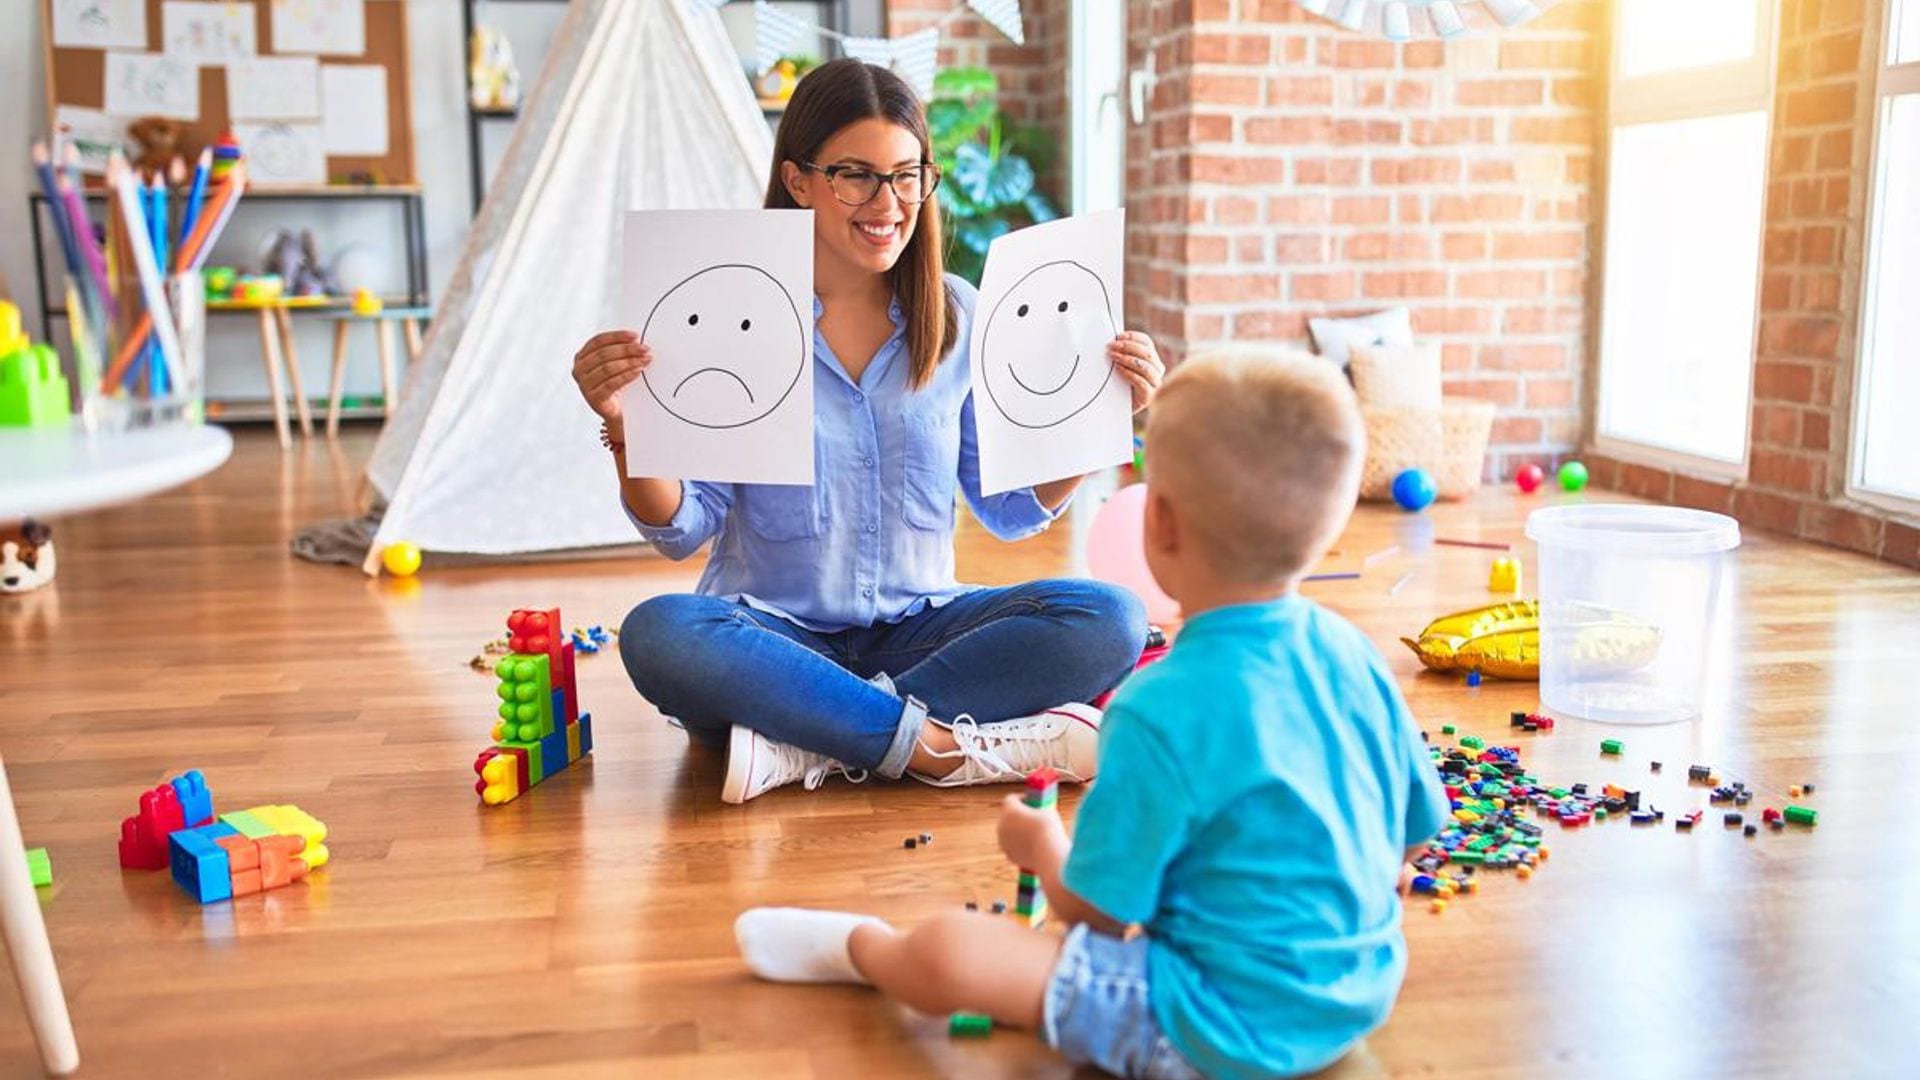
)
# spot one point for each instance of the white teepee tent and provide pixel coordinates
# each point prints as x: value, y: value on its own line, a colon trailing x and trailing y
x: 641, y: 105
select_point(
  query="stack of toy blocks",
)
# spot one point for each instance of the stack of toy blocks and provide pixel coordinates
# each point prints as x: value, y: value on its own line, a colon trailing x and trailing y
x: 541, y: 729
x: 181, y: 803
x: 247, y: 852
x: 1029, y: 902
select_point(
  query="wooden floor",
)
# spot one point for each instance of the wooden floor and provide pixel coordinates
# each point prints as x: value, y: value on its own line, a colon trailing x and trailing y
x: 585, y: 929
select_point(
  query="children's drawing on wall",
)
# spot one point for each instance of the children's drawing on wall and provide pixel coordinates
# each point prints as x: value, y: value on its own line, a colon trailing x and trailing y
x: 724, y: 302
x: 207, y: 31
x: 100, y: 24
x: 1046, y: 400
x: 147, y: 84
x: 281, y: 153
x: 323, y: 27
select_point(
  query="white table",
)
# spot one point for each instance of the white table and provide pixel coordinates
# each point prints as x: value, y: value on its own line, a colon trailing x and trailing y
x: 49, y: 471
x: 46, y: 471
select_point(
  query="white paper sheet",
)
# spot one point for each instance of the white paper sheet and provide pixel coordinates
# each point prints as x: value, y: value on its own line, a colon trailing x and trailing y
x: 725, y: 299
x: 273, y: 88
x: 99, y: 24
x: 93, y: 133
x: 283, y: 153
x: 353, y: 108
x: 330, y: 27
x: 151, y: 84
x: 207, y: 31
x: 1046, y: 400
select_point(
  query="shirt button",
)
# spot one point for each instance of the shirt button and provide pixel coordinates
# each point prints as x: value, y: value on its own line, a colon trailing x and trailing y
x: 872, y: 528
x: 868, y: 462
x: 858, y: 396
x: 868, y: 591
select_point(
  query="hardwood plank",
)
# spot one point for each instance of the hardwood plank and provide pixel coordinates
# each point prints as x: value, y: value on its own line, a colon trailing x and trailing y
x: 586, y: 929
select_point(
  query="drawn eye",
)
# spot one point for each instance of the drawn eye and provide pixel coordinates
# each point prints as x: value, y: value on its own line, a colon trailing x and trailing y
x: 694, y: 319
x: 1022, y: 312
x: 1063, y: 307
x: 746, y: 324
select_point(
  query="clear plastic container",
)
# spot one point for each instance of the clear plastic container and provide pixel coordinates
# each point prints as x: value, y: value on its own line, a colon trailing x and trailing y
x: 1627, y: 600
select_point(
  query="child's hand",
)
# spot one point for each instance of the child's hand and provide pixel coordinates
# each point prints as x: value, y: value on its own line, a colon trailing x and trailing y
x: 1137, y: 360
x: 1033, y: 839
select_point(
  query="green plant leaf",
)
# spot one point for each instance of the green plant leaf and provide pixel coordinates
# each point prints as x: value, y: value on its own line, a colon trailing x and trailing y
x: 989, y: 182
x: 964, y: 82
x: 1039, y: 208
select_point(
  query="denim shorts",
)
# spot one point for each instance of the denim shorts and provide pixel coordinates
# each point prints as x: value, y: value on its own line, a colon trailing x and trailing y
x: 1097, y: 1011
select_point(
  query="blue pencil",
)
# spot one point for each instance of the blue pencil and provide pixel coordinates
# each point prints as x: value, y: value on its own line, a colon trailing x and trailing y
x: 157, y: 230
x: 196, y: 196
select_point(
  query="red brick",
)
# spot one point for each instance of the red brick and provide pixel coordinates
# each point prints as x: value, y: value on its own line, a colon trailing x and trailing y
x: 1404, y: 283
x: 1412, y: 94
x: 1423, y: 54
x: 1766, y: 510
x: 1361, y: 209
x: 1543, y: 320
x: 1299, y: 210
x: 1645, y: 482
x: 1835, y: 150
x: 1518, y: 429
x: 1448, y: 131
x: 1788, y: 472
x: 1901, y: 544
x: 1423, y: 170
x: 1464, y: 245
x: 1232, y: 288
x: 1331, y: 287
x: 1235, y: 210
x: 1500, y: 284
x: 1401, y: 246
x: 1844, y: 528
x: 1300, y: 90
x: 1357, y: 53
x: 1290, y: 130
x: 1212, y: 88
x: 1813, y: 337
x: 1242, y: 171
x: 1539, y: 245
x: 1482, y: 207
x: 1559, y: 55
x: 1549, y: 393
x: 1573, y: 130
x: 1498, y: 171
x: 1776, y: 291
x: 1813, y: 105
x: 1523, y: 357
x: 1456, y: 356
x: 1576, y: 93
x: 1253, y: 50
x: 1340, y: 172
x: 1204, y: 250
x: 1776, y: 425
x: 1267, y: 325
x: 1250, y: 249
x: 1503, y: 391
x: 1816, y: 431
x: 1505, y: 92
x: 1300, y: 248
x: 1713, y: 495
x: 1818, y: 245
x: 1210, y: 128
x: 1455, y: 320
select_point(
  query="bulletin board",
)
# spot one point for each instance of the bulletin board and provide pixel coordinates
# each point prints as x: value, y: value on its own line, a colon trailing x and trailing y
x: 76, y: 77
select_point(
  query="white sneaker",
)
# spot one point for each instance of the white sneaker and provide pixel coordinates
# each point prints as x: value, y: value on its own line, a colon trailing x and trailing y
x: 757, y: 765
x: 1066, y: 737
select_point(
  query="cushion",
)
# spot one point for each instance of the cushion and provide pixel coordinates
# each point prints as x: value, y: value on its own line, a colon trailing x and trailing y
x: 1335, y: 337
x: 1397, y: 376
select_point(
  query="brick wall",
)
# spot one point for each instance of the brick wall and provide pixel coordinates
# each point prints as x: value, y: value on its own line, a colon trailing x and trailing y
x: 1289, y: 169
x: 1817, y: 193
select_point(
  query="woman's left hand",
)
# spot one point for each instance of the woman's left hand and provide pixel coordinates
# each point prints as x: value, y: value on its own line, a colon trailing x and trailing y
x: 1135, y: 358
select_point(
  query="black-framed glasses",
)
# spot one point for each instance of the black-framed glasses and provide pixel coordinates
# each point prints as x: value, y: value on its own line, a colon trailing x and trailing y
x: 856, y: 185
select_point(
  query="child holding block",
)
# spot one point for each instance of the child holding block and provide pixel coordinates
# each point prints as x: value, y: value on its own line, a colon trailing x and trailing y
x: 1258, y: 788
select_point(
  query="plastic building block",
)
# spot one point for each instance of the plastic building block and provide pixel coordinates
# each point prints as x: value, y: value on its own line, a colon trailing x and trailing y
x: 573, y: 743
x: 532, y: 632
x: 1446, y: 729
x: 1611, y: 746
x: 196, y: 802
x: 526, y: 699
x: 1801, y: 815
x: 143, y: 837
x: 972, y: 1025
x: 200, y: 863
x: 1505, y: 576
x: 39, y: 867
x: 1473, y: 742
x: 570, y: 713
x: 500, y: 774
x: 247, y: 825
x: 293, y: 821
x: 33, y: 392
x: 1699, y: 774
x: 1795, y: 791
x: 1473, y: 677
x: 1731, y: 818
x: 1030, y: 900
x: 553, y: 752
x: 586, y: 734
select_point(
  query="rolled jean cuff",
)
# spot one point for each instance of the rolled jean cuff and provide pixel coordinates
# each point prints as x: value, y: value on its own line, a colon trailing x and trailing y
x: 913, y: 716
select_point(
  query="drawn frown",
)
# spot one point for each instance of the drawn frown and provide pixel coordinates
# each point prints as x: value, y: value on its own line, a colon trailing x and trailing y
x: 1044, y: 353
x: 728, y: 347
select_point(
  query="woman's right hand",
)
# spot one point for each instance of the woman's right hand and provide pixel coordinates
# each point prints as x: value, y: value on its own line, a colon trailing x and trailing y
x: 605, y: 365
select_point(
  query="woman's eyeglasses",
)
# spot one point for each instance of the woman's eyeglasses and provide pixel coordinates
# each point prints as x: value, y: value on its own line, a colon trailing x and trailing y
x: 856, y: 185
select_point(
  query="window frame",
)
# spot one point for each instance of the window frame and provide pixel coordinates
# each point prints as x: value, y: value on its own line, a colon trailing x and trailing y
x: 1082, y: 113
x: 1740, y: 86
x: 1891, y: 80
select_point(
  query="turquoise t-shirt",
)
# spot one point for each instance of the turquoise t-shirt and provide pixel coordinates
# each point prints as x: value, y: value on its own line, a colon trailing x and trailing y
x: 1257, y: 791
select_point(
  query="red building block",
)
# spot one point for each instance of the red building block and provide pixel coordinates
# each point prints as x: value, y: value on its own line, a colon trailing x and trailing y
x: 143, y: 837
x: 536, y: 632
x: 566, y: 683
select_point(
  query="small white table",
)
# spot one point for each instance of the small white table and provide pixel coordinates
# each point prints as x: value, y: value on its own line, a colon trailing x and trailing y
x: 48, y: 471
x: 63, y: 470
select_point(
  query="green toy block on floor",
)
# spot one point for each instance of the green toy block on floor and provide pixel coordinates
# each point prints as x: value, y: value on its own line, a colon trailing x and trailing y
x: 526, y: 699
x: 39, y: 867
x: 247, y: 825
x: 32, y: 389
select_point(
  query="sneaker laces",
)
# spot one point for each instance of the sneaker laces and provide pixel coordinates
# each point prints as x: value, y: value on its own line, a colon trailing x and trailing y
x: 1015, y: 747
x: 812, y: 769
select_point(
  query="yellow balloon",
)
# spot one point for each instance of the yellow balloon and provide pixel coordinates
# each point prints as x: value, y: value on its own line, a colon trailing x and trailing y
x: 401, y: 559
x: 1503, y: 640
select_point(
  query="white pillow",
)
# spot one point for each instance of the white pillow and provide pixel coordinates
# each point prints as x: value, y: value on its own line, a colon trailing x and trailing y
x: 1334, y: 338
x: 1397, y: 376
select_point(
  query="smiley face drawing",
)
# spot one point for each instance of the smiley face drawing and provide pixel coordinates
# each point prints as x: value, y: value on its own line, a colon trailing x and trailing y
x: 728, y: 347
x: 1044, y: 353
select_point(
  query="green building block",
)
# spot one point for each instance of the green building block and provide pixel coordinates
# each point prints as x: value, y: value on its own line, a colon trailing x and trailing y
x: 1610, y: 746
x: 1474, y: 742
x: 39, y: 867
x: 537, y: 770
x: 244, y: 823
x: 969, y: 1024
x: 526, y: 699
x: 33, y: 392
x: 1446, y: 729
x: 1801, y: 815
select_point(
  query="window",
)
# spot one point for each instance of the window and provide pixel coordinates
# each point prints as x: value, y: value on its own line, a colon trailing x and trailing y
x: 1098, y: 133
x: 1886, y: 447
x: 1687, y: 160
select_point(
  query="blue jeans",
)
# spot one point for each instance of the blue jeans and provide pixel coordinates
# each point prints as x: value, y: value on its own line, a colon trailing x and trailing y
x: 1097, y: 1010
x: 859, y: 696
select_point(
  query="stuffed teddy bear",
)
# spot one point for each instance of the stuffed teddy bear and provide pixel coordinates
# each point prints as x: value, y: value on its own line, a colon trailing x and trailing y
x: 159, y: 140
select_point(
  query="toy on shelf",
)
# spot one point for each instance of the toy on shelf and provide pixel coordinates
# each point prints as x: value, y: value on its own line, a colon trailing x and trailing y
x: 1030, y: 902
x: 1529, y: 478
x: 251, y: 851
x: 366, y: 304
x: 775, y: 87
x: 1573, y: 476
x: 39, y: 867
x: 1505, y: 576
x: 184, y: 802
x: 492, y: 77
x: 33, y: 392
x: 540, y: 730
x: 1414, y: 490
x: 226, y: 155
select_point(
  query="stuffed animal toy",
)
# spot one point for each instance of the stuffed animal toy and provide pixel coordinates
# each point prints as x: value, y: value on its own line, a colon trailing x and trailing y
x: 26, y: 557
x: 159, y: 140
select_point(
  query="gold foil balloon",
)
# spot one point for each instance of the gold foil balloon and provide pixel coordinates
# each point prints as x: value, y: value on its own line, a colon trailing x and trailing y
x: 1503, y: 640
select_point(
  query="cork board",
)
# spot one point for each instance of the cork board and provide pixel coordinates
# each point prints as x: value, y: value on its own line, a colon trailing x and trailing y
x: 77, y: 77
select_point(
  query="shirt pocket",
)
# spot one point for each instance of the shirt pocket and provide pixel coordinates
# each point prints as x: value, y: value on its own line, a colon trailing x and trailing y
x: 932, y: 460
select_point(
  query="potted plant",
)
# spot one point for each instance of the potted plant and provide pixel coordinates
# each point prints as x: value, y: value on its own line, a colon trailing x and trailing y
x: 990, y: 166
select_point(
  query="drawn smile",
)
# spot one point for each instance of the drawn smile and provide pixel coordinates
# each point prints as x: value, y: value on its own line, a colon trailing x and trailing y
x: 714, y: 371
x: 1043, y: 393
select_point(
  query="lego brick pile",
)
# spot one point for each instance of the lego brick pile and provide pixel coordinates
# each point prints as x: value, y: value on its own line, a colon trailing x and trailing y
x: 236, y: 854
x: 540, y: 730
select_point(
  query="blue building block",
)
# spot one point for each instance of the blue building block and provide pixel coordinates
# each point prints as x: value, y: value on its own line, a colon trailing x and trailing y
x: 553, y: 751
x: 196, y: 801
x: 199, y: 864
x: 559, y: 708
x: 586, y: 734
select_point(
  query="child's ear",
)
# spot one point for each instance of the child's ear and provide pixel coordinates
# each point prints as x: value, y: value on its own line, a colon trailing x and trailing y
x: 1161, y: 524
x: 795, y: 180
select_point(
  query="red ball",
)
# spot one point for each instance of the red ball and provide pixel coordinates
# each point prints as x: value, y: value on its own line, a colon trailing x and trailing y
x: 1530, y: 477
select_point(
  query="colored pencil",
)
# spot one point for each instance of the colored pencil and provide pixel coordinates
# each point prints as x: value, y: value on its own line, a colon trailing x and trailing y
x: 57, y: 207
x: 1490, y: 545
x: 122, y: 180
x: 1344, y: 575
x: 157, y: 200
x: 193, y: 255
x: 196, y: 195
x: 70, y: 188
x: 1389, y: 550
x: 1401, y: 584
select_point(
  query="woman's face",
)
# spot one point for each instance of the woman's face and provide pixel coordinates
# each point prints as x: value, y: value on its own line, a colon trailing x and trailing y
x: 870, y: 236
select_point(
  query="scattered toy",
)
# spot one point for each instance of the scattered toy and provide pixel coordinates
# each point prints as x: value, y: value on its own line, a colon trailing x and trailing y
x: 39, y: 867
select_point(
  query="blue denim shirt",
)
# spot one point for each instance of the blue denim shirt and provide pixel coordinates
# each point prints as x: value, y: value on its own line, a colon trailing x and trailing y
x: 871, y: 540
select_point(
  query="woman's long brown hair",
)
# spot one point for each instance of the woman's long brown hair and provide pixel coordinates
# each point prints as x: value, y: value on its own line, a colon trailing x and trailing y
x: 829, y: 98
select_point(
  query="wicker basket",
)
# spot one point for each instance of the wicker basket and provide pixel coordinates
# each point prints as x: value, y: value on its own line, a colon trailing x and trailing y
x: 1450, y: 443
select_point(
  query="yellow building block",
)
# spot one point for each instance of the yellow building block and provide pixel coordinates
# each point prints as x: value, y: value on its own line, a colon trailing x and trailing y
x: 1505, y: 576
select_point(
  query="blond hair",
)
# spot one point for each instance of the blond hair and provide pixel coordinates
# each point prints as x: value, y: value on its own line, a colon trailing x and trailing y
x: 1259, y: 451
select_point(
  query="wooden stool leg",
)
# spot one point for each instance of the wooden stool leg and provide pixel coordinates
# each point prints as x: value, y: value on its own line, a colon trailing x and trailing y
x: 339, y: 377
x: 293, y: 371
x: 26, y: 934
x: 270, y: 355
x: 414, y: 340
x: 386, y: 368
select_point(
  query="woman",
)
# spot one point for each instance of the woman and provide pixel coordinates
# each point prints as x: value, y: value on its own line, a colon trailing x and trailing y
x: 827, y: 633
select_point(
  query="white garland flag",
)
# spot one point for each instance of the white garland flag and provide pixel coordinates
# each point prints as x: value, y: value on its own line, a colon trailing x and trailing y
x: 775, y: 34
x: 1004, y: 15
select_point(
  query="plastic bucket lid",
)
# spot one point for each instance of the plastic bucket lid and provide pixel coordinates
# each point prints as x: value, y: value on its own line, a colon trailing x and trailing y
x: 1639, y: 530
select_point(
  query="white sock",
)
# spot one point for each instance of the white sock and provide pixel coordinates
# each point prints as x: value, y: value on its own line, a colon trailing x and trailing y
x: 798, y: 945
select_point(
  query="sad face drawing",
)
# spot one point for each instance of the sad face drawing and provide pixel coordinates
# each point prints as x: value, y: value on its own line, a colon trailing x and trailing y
x: 1044, y: 354
x: 728, y: 347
